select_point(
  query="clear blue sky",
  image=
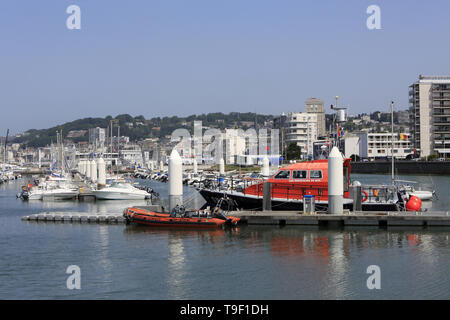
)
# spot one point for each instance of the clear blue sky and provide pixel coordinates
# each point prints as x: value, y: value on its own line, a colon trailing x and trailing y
x: 181, y: 57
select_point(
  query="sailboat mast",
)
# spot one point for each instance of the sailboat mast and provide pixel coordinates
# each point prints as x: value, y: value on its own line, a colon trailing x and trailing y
x: 392, y: 141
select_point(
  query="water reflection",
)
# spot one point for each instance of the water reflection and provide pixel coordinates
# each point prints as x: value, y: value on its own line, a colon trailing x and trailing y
x: 207, y: 235
x: 177, y: 269
x: 103, y: 255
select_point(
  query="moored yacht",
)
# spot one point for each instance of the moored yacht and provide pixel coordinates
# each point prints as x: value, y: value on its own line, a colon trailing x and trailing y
x: 121, y: 191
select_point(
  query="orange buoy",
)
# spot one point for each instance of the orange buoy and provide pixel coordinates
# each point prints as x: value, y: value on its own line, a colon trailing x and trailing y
x: 414, y: 204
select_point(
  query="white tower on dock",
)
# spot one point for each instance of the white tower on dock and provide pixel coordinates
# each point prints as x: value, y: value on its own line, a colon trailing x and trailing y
x: 195, y: 166
x: 175, y: 180
x: 221, y: 167
x: 101, y: 167
x: 335, y: 182
x: 88, y: 169
x: 265, y: 167
x: 93, y: 170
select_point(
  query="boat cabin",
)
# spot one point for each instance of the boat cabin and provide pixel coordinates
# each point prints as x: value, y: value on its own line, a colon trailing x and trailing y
x: 299, y: 179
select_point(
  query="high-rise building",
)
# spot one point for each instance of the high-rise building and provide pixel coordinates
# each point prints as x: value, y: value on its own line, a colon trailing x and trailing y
x: 315, y: 106
x: 97, y: 136
x: 430, y: 115
x: 301, y: 128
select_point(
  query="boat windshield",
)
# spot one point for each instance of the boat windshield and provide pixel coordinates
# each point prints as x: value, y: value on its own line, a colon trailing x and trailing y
x: 121, y: 185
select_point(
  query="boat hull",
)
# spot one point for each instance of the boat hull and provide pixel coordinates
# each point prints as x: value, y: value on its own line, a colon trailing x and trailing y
x: 34, y: 196
x: 156, y: 219
x: 244, y: 202
x: 59, y: 196
x: 100, y: 195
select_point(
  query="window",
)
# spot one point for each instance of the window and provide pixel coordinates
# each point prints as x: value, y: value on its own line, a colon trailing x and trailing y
x: 299, y: 174
x: 283, y: 174
x: 315, y: 174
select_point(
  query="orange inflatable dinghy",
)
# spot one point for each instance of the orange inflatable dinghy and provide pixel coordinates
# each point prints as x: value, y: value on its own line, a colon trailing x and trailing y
x: 187, y: 219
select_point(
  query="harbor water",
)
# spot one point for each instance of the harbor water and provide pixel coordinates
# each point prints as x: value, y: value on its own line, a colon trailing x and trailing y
x: 248, y: 262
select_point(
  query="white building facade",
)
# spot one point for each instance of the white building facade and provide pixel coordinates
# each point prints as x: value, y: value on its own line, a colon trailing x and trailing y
x: 377, y: 145
x: 301, y: 128
x: 429, y: 100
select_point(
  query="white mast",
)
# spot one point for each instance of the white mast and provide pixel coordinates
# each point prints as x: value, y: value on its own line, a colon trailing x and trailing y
x: 392, y: 142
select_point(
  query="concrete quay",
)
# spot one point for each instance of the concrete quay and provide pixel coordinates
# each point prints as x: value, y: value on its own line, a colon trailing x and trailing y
x: 359, y: 218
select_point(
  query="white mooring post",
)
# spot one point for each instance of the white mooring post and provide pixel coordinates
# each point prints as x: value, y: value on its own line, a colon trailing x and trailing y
x: 195, y: 166
x: 93, y: 170
x: 84, y: 168
x: 175, y: 180
x: 101, y: 167
x: 335, y: 182
x: 265, y: 167
x: 88, y: 169
x: 221, y: 167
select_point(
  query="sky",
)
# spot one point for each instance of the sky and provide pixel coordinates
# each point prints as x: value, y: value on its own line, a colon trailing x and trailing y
x: 183, y: 57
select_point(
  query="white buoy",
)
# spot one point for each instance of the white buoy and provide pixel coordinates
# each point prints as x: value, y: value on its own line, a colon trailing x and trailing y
x: 265, y: 167
x: 93, y: 170
x: 88, y: 170
x: 161, y: 165
x: 175, y: 180
x: 221, y: 167
x: 335, y: 182
x: 101, y: 167
x: 195, y: 166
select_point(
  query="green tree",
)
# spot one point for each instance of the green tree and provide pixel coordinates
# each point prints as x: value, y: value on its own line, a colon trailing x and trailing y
x: 293, y: 151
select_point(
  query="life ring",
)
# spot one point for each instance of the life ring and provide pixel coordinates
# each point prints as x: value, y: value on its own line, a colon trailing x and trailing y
x: 366, y: 196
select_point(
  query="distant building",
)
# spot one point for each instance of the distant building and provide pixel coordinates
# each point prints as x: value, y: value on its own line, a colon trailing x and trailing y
x: 403, y: 117
x: 429, y: 100
x: 315, y: 106
x: 280, y: 123
x: 351, y: 145
x: 235, y: 145
x: 378, y: 145
x: 301, y: 128
x: 97, y: 136
x: 76, y: 133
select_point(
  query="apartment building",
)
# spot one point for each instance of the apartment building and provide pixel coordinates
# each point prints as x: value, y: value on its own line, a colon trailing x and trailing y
x: 377, y: 145
x: 301, y: 128
x: 429, y: 100
x: 315, y: 106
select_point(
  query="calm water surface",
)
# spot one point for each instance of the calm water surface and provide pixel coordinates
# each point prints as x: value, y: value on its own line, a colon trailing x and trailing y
x: 249, y: 262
